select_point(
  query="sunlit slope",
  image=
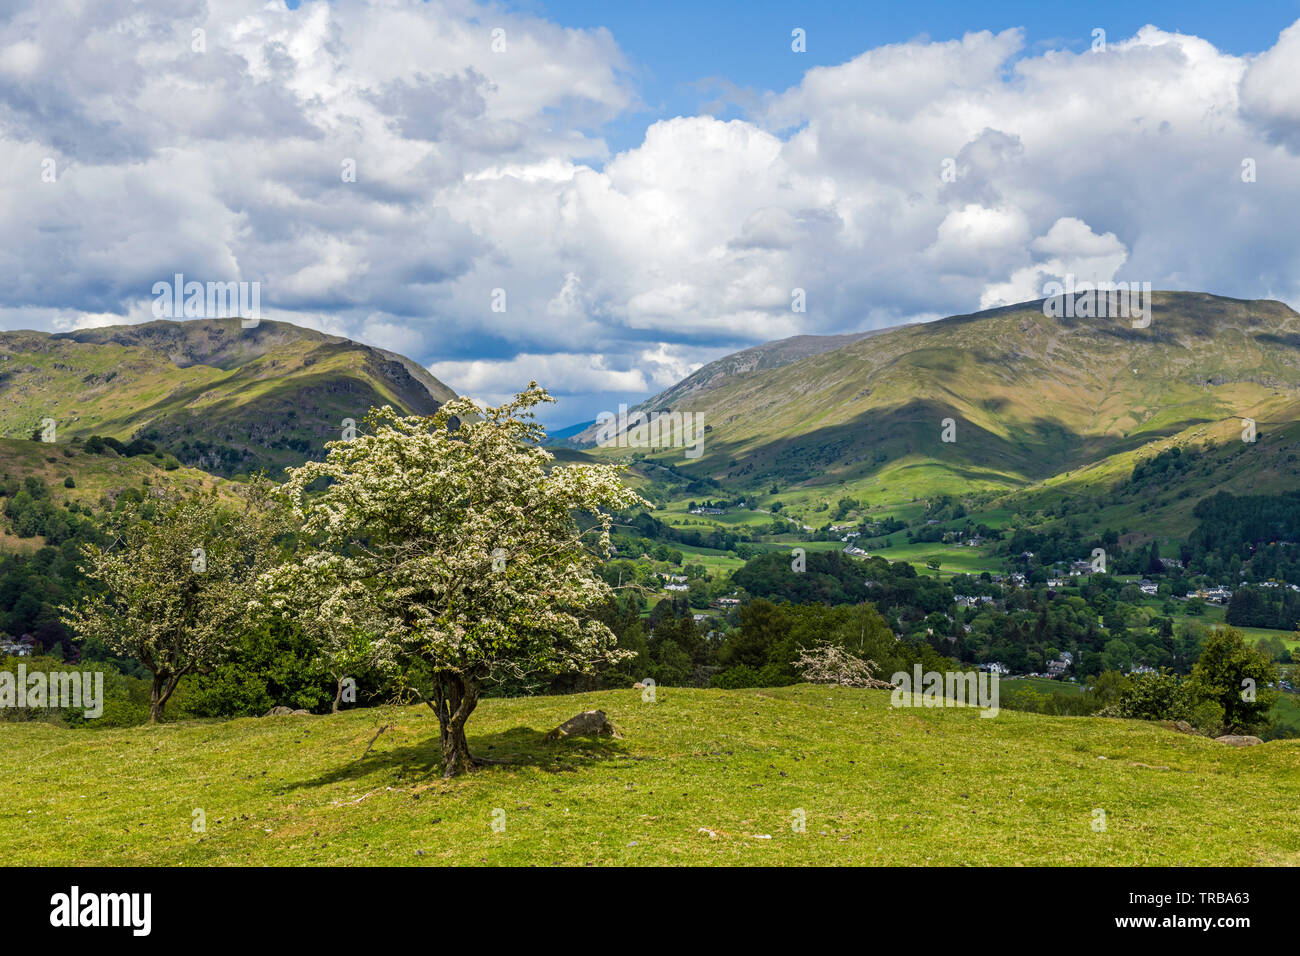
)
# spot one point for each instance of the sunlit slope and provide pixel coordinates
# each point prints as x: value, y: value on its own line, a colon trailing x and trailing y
x: 221, y: 397
x: 1030, y: 396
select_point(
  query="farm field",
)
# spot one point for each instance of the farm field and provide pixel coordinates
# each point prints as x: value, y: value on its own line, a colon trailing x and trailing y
x: 701, y: 777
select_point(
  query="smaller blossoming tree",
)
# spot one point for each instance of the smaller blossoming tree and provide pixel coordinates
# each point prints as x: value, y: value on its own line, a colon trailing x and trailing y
x: 175, y: 582
x: 827, y: 663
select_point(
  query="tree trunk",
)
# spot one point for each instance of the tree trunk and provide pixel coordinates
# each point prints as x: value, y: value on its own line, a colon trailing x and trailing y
x: 164, y: 685
x: 456, y: 698
x: 456, y: 758
x: 338, y: 695
x: 157, y: 700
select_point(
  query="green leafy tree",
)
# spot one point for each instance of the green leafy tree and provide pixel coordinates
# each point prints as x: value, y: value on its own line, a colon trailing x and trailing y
x: 1236, y: 676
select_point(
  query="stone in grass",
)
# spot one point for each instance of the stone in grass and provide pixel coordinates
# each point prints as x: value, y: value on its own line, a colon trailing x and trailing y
x: 286, y: 712
x: 590, y: 723
x: 1237, y: 740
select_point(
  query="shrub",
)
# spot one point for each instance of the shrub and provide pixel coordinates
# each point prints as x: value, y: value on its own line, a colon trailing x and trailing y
x: 1154, y: 697
x: 826, y: 663
x: 1207, y: 717
x: 735, y: 678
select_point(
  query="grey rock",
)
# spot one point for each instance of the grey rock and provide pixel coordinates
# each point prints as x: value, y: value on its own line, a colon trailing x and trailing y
x: 590, y: 723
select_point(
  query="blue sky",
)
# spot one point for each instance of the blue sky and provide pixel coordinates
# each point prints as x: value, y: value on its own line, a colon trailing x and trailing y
x: 603, y: 197
x: 688, y: 57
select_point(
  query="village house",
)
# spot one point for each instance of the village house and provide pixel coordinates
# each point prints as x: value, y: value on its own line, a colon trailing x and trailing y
x: 1215, y: 595
x: 17, y: 647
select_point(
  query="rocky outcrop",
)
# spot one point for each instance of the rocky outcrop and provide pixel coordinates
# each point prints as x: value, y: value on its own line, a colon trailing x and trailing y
x: 590, y: 723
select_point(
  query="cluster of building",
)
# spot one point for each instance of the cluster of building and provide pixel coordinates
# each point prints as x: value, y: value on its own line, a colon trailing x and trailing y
x: 23, y: 646
x: 1215, y: 595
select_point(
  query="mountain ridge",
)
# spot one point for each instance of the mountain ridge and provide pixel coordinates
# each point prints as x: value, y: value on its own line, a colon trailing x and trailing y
x: 219, y: 396
x: 1030, y: 397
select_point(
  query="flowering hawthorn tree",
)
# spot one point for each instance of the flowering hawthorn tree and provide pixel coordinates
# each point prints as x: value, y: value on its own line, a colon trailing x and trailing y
x: 453, y: 540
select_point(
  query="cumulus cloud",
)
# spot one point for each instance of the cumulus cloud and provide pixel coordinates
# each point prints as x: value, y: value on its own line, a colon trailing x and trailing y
x: 1070, y: 249
x: 1270, y: 95
x: 393, y: 172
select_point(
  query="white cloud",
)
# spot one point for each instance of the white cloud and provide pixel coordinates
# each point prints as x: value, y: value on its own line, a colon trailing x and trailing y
x: 503, y: 377
x: 1270, y: 93
x: 478, y: 170
x: 1071, y: 249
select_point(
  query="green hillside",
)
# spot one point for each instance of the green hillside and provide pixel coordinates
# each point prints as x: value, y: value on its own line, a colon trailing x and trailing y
x: 220, y: 397
x: 702, y: 777
x: 96, y: 479
x: 1069, y: 402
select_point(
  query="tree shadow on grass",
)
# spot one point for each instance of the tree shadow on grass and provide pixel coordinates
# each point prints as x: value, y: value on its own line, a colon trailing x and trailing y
x: 505, y: 750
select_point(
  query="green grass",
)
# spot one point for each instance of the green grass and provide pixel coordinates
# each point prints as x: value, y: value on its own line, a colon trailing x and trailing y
x: 1286, y: 713
x: 94, y: 475
x: 877, y: 785
x: 1042, y: 685
x: 711, y: 559
x: 952, y: 559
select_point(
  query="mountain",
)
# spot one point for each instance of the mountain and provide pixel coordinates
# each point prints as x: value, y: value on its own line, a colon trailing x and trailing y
x: 562, y: 436
x: 1032, y: 399
x: 218, y: 396
x: 726, y: 370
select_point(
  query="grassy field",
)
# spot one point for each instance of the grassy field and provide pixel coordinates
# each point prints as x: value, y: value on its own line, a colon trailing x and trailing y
x: 1043, y: 685
x: 702, y: 777
x: 952, y: 559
